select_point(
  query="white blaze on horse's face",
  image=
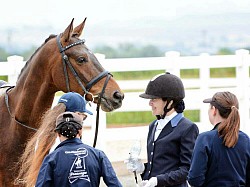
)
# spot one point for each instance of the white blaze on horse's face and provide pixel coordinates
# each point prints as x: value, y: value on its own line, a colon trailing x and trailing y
x: 85, y: 74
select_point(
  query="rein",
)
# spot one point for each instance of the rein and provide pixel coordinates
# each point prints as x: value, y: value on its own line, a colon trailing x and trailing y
x: 8, y: 107
x: 89, y: 84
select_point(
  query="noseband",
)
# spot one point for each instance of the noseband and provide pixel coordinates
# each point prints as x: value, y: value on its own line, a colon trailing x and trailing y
x: 89, y: 84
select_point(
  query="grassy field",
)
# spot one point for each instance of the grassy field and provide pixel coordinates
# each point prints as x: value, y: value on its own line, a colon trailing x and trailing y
x: 116, y: 119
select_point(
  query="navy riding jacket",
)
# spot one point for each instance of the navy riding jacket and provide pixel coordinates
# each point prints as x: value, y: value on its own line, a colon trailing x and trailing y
x: 76, y: 164
x: 214, y: 164
x: 169, y: 156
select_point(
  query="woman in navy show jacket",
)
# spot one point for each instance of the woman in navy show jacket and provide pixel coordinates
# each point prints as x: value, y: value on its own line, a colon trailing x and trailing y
x: 73, y: 163
x: 171, y: 137
x: 221, y: 156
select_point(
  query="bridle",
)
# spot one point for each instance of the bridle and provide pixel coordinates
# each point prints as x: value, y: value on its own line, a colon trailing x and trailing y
x: 89, y: 84
x: 86, y: 89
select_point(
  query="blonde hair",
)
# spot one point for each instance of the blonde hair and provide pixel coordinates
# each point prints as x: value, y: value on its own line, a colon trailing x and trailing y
x: 38, y: 147
x: 229, y: 128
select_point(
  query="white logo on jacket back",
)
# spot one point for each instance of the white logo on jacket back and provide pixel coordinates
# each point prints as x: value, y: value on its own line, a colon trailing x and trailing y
x: 78, y: 169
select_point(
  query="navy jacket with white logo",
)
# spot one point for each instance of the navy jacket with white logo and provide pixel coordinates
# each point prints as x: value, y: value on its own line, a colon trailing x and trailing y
x: 76, y: 164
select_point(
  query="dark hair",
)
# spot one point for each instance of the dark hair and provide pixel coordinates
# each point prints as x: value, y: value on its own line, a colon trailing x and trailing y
x: 229, y: 128
x: 178, y: 105
x: 68, y: 129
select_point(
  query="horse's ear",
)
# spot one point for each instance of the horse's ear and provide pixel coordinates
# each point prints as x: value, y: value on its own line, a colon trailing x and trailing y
x: 78, y: 30
x: 67, y: 33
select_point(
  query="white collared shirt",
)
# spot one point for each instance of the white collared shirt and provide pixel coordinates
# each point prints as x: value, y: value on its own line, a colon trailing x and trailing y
x: 160, y: 124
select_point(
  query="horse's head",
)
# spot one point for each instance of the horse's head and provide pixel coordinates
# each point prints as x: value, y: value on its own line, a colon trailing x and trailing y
x: 77, y: 69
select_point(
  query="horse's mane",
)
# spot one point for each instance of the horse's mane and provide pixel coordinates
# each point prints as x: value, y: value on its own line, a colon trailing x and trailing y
x: 28, y: 61
x: 38, y: 147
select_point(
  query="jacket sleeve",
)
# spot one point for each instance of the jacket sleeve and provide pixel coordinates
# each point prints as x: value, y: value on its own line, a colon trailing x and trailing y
x: 108, y: 173
x: 248, y: 174
x: 45, y: 176
x: 196, y: 176
x: 187, y: 143
x: 150, y: 130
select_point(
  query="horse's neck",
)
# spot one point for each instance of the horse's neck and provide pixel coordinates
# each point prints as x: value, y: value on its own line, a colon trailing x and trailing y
x: 31, y: 105
x: 32, y: 97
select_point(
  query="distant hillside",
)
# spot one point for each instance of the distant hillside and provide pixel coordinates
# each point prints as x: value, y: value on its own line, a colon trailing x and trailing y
x: 190, y: 34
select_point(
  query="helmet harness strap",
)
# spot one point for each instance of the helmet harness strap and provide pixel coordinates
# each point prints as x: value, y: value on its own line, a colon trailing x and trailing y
x: 169, y: 106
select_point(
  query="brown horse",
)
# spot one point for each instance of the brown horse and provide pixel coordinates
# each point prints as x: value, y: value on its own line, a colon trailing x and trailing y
x: 61, y: 63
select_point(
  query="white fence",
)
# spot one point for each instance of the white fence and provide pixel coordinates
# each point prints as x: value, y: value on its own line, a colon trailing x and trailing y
x: 196, y: 89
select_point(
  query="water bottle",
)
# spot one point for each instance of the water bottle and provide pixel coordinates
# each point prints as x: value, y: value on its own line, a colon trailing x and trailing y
x: 134, y: 156
x: 135, y: 149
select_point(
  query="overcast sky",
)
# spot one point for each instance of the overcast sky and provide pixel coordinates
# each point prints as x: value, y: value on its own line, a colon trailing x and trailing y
x: 60, y: 12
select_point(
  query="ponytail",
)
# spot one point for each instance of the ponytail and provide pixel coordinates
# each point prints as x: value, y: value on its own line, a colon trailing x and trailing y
x: 229, y: 128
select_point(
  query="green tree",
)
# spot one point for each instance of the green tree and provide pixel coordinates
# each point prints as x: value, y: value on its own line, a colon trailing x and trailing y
x: 129, y: 50
x: 107, y: 50
x: 28, y: 53
x: 3, y: 55
x: 150, y: 51
x: 225, y: 51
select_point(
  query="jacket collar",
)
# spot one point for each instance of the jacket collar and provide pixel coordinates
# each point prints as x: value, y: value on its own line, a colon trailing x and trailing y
x: 73, y: 140
x: 216, y: 126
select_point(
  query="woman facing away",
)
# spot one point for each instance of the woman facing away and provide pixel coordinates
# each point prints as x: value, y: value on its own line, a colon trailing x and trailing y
x: 43, y: 140
x: 221, y: 156
x: 74, y: 163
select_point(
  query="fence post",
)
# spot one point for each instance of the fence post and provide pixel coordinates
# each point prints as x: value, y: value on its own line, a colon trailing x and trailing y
x: 242, y: 76
x: 17, y: 63
x: 173, y: 58
x: 204, y: 87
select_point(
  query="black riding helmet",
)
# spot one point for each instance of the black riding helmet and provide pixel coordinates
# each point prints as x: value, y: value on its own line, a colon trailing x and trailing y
x: 168, y: 87
x: 164, y: 86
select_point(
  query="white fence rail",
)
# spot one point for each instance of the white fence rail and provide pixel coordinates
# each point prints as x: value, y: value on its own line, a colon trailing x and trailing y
x: 196, y: 89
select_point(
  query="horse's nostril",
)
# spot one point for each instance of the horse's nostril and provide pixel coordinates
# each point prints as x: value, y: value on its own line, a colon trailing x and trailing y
x: 118, y: 95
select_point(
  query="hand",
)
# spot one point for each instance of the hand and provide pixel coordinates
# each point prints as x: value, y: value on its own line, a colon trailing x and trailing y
x: 152, y: 182
x: 134, y: 165
x: 143, y: 183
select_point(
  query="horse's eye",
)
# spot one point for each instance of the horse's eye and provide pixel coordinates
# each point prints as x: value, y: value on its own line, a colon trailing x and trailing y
x: 82, y: 60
